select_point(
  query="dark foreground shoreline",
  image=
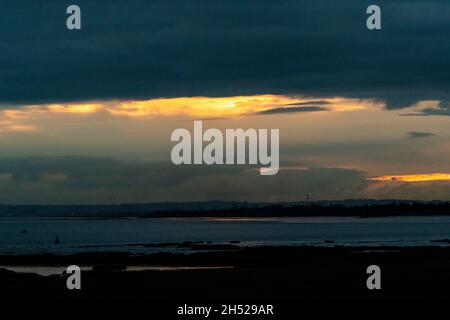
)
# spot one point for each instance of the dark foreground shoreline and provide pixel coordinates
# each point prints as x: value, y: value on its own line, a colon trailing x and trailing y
x: 256, y: 274
x: 299, y: 282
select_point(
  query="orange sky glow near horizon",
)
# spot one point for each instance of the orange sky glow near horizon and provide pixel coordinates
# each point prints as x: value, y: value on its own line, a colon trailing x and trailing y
x: 414, y: 177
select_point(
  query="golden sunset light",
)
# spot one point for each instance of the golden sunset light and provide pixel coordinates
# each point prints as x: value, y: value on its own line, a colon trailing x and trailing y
x: 200, y: 106
x: 75, y: 108
x: 414, y: 177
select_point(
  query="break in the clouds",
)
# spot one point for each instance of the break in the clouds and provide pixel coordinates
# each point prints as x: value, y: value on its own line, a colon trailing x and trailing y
x: 138, y: 49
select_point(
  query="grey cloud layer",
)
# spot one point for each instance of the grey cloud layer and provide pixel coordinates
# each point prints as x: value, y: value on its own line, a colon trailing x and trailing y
x: 420, y: 134
x: 139, y: 49
x: 66, y: 180
x: 293, y: 110
x: 442, y: 110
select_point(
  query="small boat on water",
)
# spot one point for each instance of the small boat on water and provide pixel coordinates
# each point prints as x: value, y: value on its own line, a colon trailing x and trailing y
x: 57, y: 239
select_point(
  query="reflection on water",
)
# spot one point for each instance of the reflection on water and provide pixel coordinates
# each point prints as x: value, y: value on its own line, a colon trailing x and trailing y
x: 41, y: 270
x: 22, y: 236
x: 60, y: 270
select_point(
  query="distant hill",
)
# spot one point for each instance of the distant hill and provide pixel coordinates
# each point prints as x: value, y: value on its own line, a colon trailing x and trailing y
x: 353, y: 207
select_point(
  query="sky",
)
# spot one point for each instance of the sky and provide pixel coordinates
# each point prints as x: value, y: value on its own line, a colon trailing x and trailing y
x: 86, y: 116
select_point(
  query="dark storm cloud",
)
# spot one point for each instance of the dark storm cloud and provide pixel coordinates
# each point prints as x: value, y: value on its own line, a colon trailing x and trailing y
x: 138, y: 49
x: 293, y: 109
x: 82, y: 172
x: 420, y: 134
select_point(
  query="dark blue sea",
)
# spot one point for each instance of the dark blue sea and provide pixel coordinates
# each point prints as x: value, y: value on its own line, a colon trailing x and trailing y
x: 25, y: 235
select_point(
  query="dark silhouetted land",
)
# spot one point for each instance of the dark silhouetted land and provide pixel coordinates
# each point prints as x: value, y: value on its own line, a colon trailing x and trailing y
x: 260, y: 273
x: 342, y: 208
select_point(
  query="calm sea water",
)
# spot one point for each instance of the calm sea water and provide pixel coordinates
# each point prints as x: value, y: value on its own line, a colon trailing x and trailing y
x: 81, y: 235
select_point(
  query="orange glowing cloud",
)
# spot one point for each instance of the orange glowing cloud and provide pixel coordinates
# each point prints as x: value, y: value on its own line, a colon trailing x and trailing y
x: 414, y: 177
x: 75, y: 108
x: 24, y: 119
x: 199, y: 106
x: 11, y: 121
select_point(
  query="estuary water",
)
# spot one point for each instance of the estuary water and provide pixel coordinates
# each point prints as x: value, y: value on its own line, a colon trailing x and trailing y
x: 37, y: 235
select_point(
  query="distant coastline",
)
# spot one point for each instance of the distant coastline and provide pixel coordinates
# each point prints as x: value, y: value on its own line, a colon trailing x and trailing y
x: 343, y: 208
